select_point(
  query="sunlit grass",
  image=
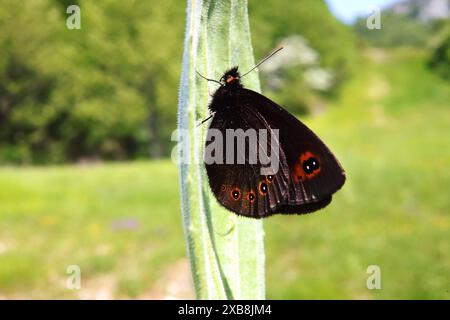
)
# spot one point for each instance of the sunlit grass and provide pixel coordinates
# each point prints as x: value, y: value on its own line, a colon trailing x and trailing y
x: 391, y: 131
x: 118, y: 219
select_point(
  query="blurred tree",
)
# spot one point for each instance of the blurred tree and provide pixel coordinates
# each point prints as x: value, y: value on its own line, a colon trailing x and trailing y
x: 109, y: 90
x: 440, y: 42
x: 397, y: 30
x: 273, y: 21
x: 440, y: 58
x: 126, y: 75
x: 26, y: 44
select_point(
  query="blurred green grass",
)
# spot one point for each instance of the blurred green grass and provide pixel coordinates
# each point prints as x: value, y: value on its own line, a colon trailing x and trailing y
x: 390, y: 129
x: 118, y: 219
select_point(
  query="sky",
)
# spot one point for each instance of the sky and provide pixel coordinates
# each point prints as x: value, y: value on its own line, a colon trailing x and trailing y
x: 348, y: 10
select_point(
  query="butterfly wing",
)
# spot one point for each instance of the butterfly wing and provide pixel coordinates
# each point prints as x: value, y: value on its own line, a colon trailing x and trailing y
x: 308, y: 172
x: 315, y: 174
x: 242, y: 188
x: 304, y: 208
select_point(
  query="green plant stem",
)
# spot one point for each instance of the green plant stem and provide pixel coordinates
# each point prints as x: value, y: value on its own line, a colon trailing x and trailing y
x: 226, y: 252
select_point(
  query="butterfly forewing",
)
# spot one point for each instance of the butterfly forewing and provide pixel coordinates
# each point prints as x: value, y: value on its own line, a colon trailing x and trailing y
x: 241, y: 187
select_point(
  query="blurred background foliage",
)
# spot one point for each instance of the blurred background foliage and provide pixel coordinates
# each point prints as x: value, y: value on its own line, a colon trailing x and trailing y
x: 80, y: 98
x: 109, y: 90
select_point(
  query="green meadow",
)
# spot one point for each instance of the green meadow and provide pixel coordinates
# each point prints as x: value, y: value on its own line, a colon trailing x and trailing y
x: 121, y: 224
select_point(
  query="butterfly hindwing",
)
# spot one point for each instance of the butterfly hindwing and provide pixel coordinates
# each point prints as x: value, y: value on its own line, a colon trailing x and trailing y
x: 315, y: 173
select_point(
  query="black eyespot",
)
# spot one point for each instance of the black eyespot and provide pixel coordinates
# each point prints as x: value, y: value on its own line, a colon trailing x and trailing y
x: 310, y: 165
x: 235, y: 194
x: 270, y: 178
x: 263, y: 188
x: 251, y: 197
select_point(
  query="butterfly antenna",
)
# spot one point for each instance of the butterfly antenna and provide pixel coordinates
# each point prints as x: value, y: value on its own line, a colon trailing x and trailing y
x: 207, y: 79
x: 262, y: 61
x: 212, y: 115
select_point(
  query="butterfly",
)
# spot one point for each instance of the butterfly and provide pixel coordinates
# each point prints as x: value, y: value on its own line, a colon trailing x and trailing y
x: 307, y: 175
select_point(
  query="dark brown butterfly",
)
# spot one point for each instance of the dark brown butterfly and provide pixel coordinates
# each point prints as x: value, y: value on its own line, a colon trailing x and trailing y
x: 308, y: 173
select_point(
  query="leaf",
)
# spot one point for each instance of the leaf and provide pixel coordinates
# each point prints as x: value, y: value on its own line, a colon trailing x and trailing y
x: 226, y: 252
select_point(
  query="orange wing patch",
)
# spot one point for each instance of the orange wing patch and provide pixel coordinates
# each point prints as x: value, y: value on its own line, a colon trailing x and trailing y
x: 251, y: 197
x: 307, y: 167
x: 235, y: 194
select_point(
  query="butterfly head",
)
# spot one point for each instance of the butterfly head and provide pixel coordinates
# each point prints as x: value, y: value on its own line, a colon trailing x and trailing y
x: 231, y: 78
